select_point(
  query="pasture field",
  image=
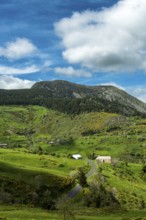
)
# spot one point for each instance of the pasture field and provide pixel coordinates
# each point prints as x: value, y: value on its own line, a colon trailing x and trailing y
x: 29, y: 213
x: 36, y: 145
x: 32, y: 127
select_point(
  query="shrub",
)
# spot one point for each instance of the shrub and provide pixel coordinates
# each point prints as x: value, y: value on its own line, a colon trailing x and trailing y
x: 98, y: 196
x: 89, y: 132
x: 144, y: 168
x: 141, y: 139
x: 66, y: 208
x: 5, y: 197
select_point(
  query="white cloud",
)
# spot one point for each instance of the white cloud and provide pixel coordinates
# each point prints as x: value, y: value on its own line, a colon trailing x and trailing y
x: 10, y: 82
x: 138, y: 91
x: 114, y: 84
x: 5, y: 70
x: 18, y: 49
x: 113, y: 39
x: 70, y: 71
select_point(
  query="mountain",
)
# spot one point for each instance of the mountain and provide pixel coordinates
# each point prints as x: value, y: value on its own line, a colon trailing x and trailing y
x: 74, y: 98
x: 111, y: 94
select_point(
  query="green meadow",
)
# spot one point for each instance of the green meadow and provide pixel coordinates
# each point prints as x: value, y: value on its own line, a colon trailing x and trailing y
x: 36, y: 167
x: 29, y: 213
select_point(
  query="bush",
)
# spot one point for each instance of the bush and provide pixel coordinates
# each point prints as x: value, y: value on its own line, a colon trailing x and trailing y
x: 144, y: 168
x: 89, y: 132
x: 5, y: 197
x: 97, y: 195
x: 66, y: 208
x: 141, y: 139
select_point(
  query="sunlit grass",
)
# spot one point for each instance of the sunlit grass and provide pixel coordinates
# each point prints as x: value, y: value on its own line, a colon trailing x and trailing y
x: 29, y: 213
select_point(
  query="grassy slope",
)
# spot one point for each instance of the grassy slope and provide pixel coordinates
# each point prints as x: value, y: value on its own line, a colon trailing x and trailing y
x: 25, y: 129
x: 23, y: 161
x: 127, y: 183
x: 27, y: 213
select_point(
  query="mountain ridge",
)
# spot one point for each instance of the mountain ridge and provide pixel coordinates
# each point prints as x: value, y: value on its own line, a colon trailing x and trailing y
x: 110, y: 93
x: 75, y: 98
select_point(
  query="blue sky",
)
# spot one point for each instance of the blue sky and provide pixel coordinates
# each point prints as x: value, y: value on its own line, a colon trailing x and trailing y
x: 90, y: 42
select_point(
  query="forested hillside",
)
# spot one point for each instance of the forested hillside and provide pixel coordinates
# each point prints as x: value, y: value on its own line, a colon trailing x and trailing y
x: 72, y: 98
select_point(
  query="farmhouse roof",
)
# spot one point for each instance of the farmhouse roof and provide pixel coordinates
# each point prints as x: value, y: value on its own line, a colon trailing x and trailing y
x: 76, y: 156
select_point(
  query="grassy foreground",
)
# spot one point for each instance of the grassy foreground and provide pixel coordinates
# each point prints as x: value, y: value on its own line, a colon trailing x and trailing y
x: 28, y: 213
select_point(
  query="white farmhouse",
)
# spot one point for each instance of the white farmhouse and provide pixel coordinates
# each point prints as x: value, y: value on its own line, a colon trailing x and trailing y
x: 104, y: 159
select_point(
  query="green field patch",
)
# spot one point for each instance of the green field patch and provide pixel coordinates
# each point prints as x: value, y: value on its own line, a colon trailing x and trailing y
x: 29, y: 213
x: 127, y: 182
x: 60, y: 165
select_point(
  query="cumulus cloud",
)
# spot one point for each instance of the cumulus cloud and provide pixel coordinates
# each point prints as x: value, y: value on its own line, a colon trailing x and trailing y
x: 5, y: 70
x: 114, y: 84
x: 138, y: 91
x: 113, y: 39
x: 70, y: 71
x: 20, y: 48
x: 10, y: 82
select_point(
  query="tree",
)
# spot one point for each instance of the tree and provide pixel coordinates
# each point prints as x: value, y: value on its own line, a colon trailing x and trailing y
x: 144, y: 168
x: 98, y: 195
x: 47, y: 200
x: 66, y: 208
x: 81, y: 177
x: 38, y: 182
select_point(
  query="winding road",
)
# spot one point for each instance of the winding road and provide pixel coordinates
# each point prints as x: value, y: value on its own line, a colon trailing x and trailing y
x: 78, y: 187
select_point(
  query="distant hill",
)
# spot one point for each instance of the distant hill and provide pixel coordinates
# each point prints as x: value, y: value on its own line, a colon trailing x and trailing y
x: 73, y: 98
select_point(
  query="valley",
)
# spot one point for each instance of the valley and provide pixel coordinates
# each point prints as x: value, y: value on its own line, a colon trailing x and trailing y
x: 37, y: 168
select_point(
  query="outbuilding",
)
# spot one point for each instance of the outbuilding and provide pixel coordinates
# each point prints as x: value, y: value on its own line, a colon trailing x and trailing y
x: 104, y: 159
x: 76, y: 156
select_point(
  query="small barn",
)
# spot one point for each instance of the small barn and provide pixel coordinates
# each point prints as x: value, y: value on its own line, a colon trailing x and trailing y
x: 104, y: 159
x: 76, y: 156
